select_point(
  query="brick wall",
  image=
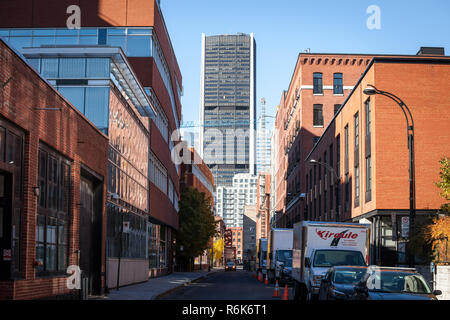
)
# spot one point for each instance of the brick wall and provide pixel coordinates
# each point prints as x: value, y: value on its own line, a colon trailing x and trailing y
x: 61, y: 130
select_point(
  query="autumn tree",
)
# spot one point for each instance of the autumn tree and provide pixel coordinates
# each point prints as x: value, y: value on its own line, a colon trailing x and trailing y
x: 444, y: 183
x: 430, y: 240
x: 196, y: 225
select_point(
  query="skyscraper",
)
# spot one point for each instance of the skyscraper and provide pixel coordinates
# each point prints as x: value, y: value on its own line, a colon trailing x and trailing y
x: 262, y: 141
x: 227, y: 107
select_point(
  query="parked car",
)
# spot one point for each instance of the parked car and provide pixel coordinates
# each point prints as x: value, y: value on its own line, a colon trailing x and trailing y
x: 386, y: 283
x: 340, y: 281
x: 230, y: 265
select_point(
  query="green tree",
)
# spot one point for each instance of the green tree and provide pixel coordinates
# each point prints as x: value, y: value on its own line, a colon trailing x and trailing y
x: 444, y: 183
x: 196, y: 225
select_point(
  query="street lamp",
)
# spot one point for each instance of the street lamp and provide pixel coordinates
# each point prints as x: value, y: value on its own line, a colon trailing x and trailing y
x: 330, y: 168
x: 372, y: 90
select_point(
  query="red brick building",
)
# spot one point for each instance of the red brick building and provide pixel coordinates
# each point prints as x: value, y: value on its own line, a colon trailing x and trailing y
x: 365, y: 145
x: 263, y: 206
x: 138, y: 28
x: 195, y: 173
x: 53, y: 169
x: 237, y: 242
x: 319, y: 84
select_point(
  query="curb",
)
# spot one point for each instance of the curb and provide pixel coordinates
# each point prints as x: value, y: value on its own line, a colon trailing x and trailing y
x: 165, y: 293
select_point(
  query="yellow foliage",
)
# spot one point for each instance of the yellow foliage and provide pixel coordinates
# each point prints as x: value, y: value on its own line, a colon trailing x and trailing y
x: 218, y: 249
x: 438, y: 233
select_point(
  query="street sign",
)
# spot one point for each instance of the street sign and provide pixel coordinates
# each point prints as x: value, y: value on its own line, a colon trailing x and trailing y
x: 6, y: 254
x: 126, y: 227
x: 405, y: 227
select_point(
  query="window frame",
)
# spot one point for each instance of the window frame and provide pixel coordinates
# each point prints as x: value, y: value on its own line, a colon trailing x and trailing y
x: 57, y: 210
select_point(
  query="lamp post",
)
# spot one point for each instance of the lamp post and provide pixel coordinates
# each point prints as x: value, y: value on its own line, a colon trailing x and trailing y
x: 330, y: 168
x: 372, y: 90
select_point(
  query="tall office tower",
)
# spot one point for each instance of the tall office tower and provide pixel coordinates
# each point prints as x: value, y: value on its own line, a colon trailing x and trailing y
x: 232, y: 200
x: 227, y: 106
x: 262, y: 141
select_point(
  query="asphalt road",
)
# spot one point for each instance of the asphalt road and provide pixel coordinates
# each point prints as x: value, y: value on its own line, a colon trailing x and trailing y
x: 230, y: 285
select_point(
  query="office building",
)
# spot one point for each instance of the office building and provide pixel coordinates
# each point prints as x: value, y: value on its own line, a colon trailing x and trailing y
x: 119, y: 70
x: 227, y: 106
x: 231, y: 200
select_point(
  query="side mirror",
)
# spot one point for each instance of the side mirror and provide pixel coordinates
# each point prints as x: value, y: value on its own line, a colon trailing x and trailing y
x: 307, y: 263
x: 437, y: 292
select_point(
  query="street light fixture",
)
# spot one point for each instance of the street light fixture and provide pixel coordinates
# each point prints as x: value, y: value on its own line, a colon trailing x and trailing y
x: 372, y: 90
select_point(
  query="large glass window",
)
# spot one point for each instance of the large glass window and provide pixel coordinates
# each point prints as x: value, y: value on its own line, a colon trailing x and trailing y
x: 75, y: 95
x: 53, y: 212
x: 96, y: 108
x: 49, y: 68
x: 72, y: 68
x: 138, y: 46
x: 97, y: 67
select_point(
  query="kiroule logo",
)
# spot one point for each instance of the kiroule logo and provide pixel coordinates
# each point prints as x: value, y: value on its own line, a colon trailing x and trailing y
x: 325, y: 234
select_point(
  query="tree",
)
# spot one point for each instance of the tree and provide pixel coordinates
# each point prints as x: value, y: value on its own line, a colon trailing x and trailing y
x: 444, y: 183
x: 429, y: 242
x: 196, y: 225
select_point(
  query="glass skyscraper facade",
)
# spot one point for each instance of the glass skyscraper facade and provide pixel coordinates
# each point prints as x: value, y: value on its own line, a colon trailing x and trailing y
x: 228, y: 114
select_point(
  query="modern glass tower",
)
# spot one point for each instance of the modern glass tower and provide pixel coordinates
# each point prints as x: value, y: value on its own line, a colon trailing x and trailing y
x: 227, y: 107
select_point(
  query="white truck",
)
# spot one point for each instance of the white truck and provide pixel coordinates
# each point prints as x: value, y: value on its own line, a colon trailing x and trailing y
x: 261, y: 255
x: 319, y: 245
x: 279, y: 255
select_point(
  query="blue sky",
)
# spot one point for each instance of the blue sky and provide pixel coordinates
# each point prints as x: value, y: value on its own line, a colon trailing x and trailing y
x: 283, y: 28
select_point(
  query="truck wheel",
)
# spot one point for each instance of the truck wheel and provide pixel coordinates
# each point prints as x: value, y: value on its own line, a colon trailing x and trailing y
x: 297, y: 293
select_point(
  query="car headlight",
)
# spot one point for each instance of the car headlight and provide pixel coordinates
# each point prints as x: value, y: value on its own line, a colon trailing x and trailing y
x: 317, y: 280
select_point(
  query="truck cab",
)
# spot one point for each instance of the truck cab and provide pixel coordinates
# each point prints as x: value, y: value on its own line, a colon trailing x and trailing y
x: 317, y: 246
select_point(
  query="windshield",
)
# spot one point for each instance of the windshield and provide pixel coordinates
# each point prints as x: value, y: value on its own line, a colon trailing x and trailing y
x: 329, y: 258
x: 348, y: 276
x: 285, y: 256
x: 264, y: 256
x: 397, y: 282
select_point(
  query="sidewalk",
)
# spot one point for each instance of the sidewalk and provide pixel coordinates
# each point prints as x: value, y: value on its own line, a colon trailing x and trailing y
x: 156, y: 287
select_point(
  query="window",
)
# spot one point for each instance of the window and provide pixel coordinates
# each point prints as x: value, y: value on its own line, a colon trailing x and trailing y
x: 356, y: 158
x: 53, y: 212
x: 368, y: 152
x: 368, y: 178
x: 347, y: 188
x: 97, y: 106
x: 336, y: 108
x: 317, y: 83
x: 356, y: 186
x: 346, y: 149
x: 158, y: 173
x: 338, y: 84
x: 318, y: 115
